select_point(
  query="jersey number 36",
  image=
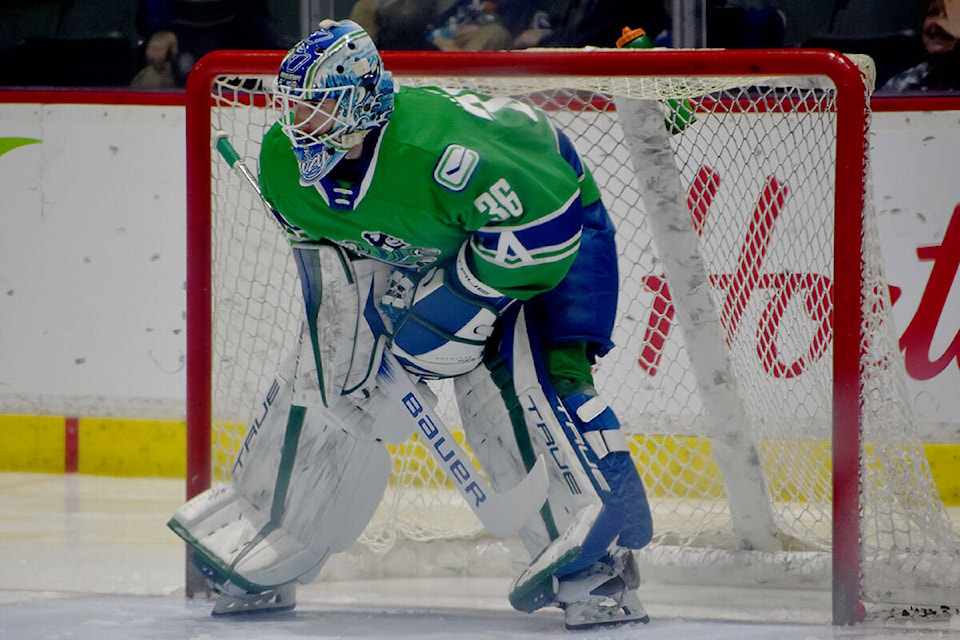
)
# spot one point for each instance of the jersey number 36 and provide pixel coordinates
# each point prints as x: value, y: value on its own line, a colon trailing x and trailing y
x: 499, y: 202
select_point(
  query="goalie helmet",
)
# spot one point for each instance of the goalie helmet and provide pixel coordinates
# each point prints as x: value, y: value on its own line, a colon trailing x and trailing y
x: 330, y: 91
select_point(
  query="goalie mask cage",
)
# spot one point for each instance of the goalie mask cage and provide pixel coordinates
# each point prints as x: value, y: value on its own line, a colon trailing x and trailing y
x: 756, y: 374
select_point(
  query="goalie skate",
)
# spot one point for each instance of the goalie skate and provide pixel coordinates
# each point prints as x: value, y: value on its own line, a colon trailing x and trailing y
x: 604, y: 594
x: 234, y: 600
x: 282, y: 598
x: 537, y: 586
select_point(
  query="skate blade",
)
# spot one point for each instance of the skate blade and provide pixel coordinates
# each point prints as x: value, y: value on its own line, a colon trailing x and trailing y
x: 612, y: 620
x: 273, y: 601
x: 592, y: 614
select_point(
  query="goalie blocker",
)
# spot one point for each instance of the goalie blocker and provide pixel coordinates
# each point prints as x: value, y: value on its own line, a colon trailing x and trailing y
x: 313, y: 467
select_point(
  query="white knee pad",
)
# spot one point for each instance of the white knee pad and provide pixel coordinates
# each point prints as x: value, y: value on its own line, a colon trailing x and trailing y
x: 340, y: 350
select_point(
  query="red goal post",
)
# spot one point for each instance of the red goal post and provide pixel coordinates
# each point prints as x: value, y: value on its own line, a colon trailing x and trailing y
x: 847, y: 120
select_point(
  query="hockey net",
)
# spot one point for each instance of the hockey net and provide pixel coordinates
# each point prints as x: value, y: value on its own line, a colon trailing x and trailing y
x: 756, y: 372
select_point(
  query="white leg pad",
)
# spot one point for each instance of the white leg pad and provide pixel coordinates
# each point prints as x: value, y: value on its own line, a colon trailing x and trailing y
x: 341, y: 350
x: 311, y: 470
x: 281, y: 519
x: 506, y: 426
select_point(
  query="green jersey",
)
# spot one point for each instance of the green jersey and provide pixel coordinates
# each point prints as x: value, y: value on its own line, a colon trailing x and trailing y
x: 449, y: 170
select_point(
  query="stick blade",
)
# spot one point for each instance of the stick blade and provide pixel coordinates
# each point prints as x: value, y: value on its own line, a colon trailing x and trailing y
x: 514, y: 507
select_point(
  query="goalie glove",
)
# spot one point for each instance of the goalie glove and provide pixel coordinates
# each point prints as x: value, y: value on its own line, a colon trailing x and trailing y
x: 441, y: 326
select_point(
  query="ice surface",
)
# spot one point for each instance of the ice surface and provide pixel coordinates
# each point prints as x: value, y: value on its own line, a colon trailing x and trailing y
x: 90, y: 558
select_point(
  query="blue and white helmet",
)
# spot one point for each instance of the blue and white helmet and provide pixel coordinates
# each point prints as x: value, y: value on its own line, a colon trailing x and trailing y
x: 330, y: 91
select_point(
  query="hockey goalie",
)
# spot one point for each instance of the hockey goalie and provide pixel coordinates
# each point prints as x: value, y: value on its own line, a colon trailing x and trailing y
x: 437, y: 235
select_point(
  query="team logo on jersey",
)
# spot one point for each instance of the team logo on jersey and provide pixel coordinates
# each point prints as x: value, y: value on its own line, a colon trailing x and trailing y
x: 456, y: 166
x: 387, y: 248
x: 383, y: 240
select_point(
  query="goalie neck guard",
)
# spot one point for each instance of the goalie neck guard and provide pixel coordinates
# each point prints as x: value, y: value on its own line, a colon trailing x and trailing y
x: 331, y: 89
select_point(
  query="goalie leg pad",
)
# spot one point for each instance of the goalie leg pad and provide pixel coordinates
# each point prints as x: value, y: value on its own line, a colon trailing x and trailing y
x: 342, y: 355
x: 599, y: 446
x: 302, y: 487
x: 305, y: 489
x: 626, y: 496
x: 508, y: 428
x: 342, y: 342
x: 511, y: 413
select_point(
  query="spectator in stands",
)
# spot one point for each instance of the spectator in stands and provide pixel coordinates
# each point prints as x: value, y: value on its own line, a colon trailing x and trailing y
x: 395, y: 24
x: 177, y: 33
x: 470, y: 25
x: 580, y: 23
x: 941, y: 69
x: 449, y: 25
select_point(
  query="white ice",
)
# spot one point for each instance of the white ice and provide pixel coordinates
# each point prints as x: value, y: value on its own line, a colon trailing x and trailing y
x: 90, y: 558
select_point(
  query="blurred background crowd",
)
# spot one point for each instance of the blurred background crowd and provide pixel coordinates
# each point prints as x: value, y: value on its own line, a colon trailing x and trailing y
x: 153, y: 44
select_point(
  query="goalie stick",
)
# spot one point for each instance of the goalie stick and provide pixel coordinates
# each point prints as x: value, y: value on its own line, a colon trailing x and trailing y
x: 502, y: 514
x: 233, y: 159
